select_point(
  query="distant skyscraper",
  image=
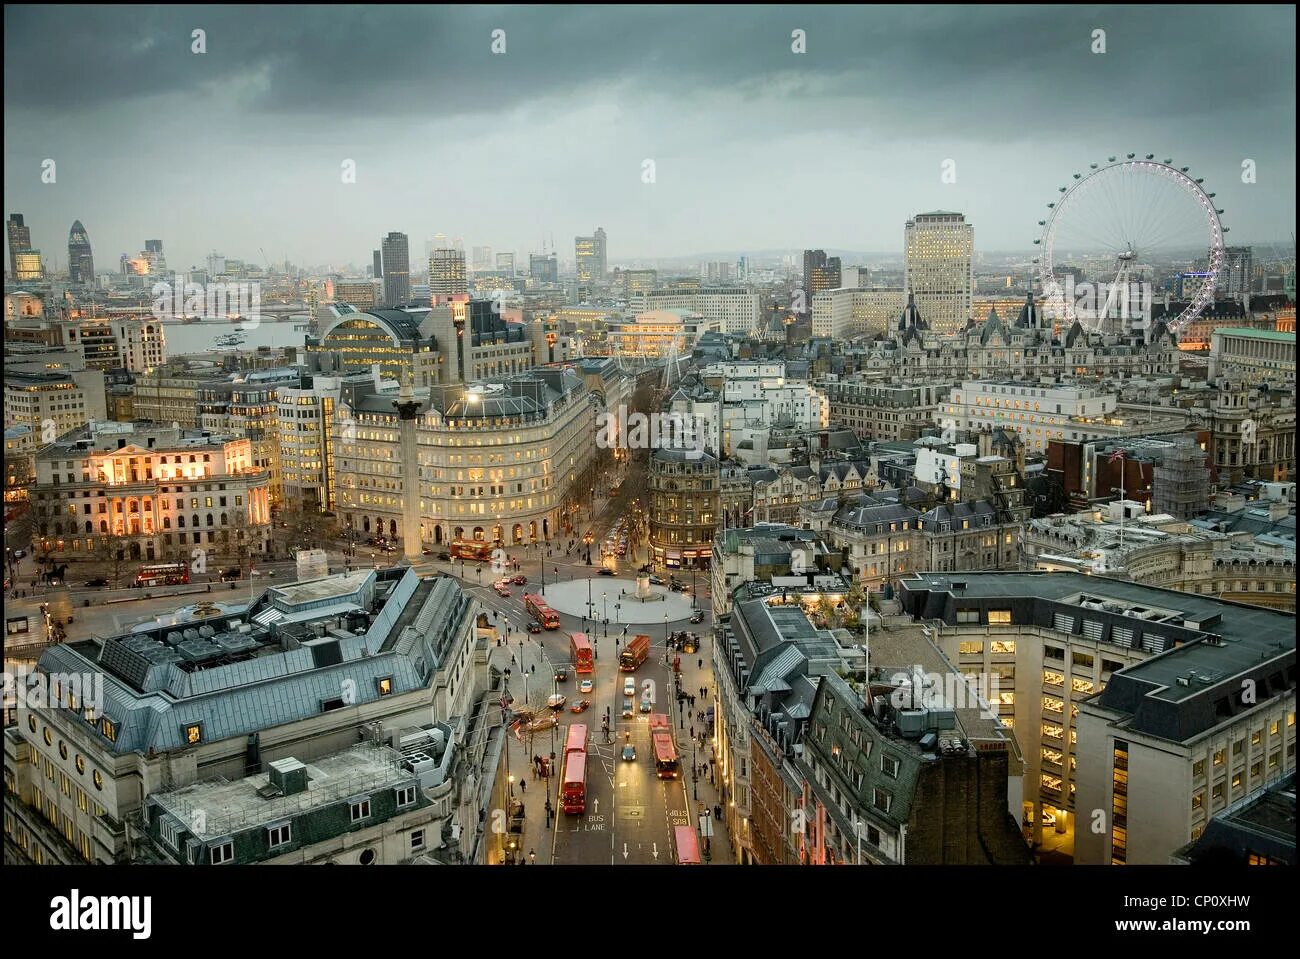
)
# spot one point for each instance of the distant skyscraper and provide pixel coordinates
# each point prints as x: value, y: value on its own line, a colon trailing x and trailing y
x: 397, y: 269
x: 1233, y: 281
x: 378, y: 259
x: 153, y: 255
x: 20, y: 239
x: 506, y: 263
x: 938, y: 250
x: 543, y: 267
x: 820, y: 273
x: 216, y: 265
x: 481, y: 258
x: 447, y: 272
x: 590, y: 254
x: 28, y: 265
x: 81, y: 264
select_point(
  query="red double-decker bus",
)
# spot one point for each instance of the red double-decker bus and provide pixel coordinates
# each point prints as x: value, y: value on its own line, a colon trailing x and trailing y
x: 667, y: 765
x: 163, y: 574
x: 474, y: 549
x: 660, y: 723
x: 573, y: 789
x: 581, y: 652
x: 688, y: 846
x: 537, y: 608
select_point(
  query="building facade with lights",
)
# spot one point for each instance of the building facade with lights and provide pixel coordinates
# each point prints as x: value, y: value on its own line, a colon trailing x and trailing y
x: 507, y: 462
x: 685, y: 497
x: 151, y: 493
x: 939, y: 250
x: 1058, y: 640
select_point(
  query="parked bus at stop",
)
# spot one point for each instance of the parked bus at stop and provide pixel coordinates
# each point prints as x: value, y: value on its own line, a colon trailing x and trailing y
x: 573, y: 789
x: 581, y: 653
x: 688, y: 846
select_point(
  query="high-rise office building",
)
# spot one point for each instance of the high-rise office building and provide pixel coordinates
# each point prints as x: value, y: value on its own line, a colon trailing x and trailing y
x: 446, y: 272
x: 481, y: 259
x: 20, y: 240
x: 81, y: 264
x: 397, y: 269
x: 1233, y: 281
x: 378, y: 260
x: 820, y: 273
x: 153, y: 257
x: 505, y: 263
x: 590, y: 254
x: 543, y: 267
x: 28, y: 265
x: 939, y: 250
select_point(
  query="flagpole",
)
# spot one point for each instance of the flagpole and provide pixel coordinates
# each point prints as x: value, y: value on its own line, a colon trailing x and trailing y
x: 1122, y: 464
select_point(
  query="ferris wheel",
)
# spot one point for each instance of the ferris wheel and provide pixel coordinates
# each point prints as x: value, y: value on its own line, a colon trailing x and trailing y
x: 1117, y: 230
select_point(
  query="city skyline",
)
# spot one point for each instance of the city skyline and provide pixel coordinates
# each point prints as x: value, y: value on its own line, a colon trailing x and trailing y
x: 259, y: 130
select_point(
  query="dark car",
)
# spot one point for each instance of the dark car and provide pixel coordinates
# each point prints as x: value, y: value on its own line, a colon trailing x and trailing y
x: 605, y: 571
x: 97, y: 583
x: 444, y: 556
x: 677, y: 587
x: 561, y: 674
x: 534, y: 626
x: 233, y: 572
x: 520, y: 580
x: 697, y: 616
x: 629, y: 753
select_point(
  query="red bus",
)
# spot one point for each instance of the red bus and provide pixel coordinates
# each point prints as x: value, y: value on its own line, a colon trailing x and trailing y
x: 163, y: 574
x: 474, y: 549
x: 667, y: 765
x: 573, y: 789
x: 581, y: 653
x: 537, y: 608
x: 688, y: 846
x: 660, y: 723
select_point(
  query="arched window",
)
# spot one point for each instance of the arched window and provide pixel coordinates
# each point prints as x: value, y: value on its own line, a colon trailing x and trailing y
x: 224, y: 520
x: 210, y: 519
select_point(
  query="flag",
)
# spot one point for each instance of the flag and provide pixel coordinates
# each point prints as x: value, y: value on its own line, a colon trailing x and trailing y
x: 1117, y: 455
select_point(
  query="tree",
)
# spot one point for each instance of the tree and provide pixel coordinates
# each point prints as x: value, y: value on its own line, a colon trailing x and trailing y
x: 298, y: 528
x: 112, y: 549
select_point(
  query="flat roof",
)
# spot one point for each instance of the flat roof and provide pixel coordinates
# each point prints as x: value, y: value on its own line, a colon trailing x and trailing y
x: 1256, y: 334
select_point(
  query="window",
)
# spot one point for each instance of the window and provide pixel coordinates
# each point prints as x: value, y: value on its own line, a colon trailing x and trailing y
x: 1081, y: 659
x: 1003, y: 646
x: 1198, y: 799
x: 889, y: 766
x: 1053, y: 679
x: 971, y: 648
x: 999, y: 616
x: 107, y: 727
x: 417, y: 840
x: 406, y: 796
x: 1219, y: 756
x: 193, y: 734
x: 223, y: 852
x: 385, y: 684
x: 279, y: 835
x: 882, y: 800
x: 170, y: 834
x: 968, y: 616
x: 1198, y: 768
x: 360, y: 810
x: 99, y: 779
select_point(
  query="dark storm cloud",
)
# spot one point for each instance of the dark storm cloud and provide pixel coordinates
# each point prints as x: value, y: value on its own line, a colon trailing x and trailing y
x: 1004, y: 67
x: 756, y: 147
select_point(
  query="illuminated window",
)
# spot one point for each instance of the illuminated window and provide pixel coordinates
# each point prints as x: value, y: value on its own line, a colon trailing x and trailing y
x: 193, y: 734
x: 1004, y: 646
x: 385, y: 685
x: 1053, y: 679
x: 999, y: 616
x: 970, y: 648
x: 1052, y: 704
x: 81, y: 765
x: 99, y: 779
x: 49, y: 739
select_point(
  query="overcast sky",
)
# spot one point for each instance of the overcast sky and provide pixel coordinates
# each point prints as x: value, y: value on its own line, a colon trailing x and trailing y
x: 755, y: 147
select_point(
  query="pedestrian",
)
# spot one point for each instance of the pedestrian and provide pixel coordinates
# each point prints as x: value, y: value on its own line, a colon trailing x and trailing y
x: 701, y: 663
x: 692, y: 732
x: 512, y: 659
x: 717, y: 812
x: 523, y: 785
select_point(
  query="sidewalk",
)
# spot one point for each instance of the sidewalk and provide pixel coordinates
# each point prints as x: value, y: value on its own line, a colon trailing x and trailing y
x: 528, y: 788
x: 709, y: 794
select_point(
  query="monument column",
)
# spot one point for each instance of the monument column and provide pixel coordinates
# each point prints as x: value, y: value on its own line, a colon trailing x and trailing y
x: 408, y: 410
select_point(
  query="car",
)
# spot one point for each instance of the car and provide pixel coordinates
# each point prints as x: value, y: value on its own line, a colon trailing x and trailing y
x: 586, y: 686
x: 697, y: 616
x: 581, y: 705
x: 561, y: 673
x: 676, y: 587
x: 646, y: 705
x: 629, y: 753
x: 19, y: 553
x: 501, y: 589
x: 628, y: 711
x: 97, y: 583
x: 605, y: 571
x: 534, y: 626
x: 629, y: 687
x: 520, y: 580
x: 656, y: 581
x: 556, y: 701
x: 444, y: 556
x: 426, y: 552
x: 231, y: 573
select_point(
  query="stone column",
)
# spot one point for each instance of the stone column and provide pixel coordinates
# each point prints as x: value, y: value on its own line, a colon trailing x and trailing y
x: 408, y: 411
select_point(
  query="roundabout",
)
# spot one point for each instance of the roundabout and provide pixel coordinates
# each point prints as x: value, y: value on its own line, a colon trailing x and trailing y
x: 616, y: 600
